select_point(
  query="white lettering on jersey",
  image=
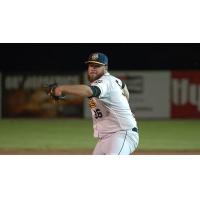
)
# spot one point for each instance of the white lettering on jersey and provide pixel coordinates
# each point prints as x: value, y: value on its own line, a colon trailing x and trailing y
x: 111, y: 111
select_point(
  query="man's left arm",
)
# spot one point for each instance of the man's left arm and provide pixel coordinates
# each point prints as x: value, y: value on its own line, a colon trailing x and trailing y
x: 126, y: 92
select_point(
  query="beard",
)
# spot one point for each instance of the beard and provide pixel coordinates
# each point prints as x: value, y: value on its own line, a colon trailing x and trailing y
x: 94, y: 77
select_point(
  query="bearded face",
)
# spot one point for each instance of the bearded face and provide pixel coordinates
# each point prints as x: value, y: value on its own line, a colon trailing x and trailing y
x: 95, y: 71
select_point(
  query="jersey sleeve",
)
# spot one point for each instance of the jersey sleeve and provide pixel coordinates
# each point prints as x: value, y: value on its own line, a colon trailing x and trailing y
x: 96, y: 91
x: 103, y: 85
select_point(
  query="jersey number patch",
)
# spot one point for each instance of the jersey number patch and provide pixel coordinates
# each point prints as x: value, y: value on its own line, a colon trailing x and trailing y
x: 98, y: 113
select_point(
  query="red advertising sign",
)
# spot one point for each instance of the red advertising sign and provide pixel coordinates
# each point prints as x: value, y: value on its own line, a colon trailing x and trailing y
x: 185, y: 94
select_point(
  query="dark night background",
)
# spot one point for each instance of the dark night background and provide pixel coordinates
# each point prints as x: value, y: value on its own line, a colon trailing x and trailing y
x: 71, y: 56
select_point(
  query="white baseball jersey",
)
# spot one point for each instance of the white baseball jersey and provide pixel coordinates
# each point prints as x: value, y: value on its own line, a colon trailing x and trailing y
x: 110, y: 111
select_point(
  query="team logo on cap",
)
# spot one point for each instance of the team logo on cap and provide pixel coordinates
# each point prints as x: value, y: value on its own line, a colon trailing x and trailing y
x: 95, y: 56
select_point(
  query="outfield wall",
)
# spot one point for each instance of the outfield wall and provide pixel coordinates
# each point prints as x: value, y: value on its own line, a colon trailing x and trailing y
x: 24, y: 96
x: 185, y: 90
x: 153, y: 94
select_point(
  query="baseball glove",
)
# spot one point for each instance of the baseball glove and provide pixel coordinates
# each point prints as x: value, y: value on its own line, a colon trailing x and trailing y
x: 50, y: 90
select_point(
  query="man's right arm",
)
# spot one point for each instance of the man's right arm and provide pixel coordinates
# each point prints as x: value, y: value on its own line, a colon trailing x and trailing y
x: 78, y: 90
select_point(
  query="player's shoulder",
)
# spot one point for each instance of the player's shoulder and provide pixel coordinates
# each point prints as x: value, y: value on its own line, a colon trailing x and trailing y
x: 113, y: 78
x: 103, y: 79
x: 117, y: 80
x: 108, y: 76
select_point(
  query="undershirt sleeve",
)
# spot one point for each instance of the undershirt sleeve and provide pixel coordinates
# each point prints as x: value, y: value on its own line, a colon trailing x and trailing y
x: 96, y: 91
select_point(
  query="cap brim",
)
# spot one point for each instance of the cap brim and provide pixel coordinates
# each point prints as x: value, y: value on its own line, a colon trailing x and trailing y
x: 94, y: 62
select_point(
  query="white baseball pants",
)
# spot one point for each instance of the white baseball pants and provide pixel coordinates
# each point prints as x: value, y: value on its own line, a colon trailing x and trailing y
x: 119, y: 143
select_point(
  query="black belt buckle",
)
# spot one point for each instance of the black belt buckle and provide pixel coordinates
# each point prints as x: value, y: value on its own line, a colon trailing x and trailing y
x: 135, y: 129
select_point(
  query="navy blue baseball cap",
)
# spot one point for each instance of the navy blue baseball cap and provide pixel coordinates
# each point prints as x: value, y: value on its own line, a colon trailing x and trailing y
x: 98, y: 58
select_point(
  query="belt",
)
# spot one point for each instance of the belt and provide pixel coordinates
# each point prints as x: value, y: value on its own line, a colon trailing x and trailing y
x: 135, y: 129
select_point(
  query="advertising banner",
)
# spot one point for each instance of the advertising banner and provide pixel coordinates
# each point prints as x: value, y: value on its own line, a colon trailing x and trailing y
x: 24, y: 96
x: 149, y: 93
x: 185, y: 94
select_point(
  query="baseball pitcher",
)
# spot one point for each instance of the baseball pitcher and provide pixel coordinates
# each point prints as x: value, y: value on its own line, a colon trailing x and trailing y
x: 114, y: 124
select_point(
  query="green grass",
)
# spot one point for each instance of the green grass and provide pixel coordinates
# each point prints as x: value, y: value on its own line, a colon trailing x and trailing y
x: 43, y: 134
x: 169, y: 135
x: 77, y: 134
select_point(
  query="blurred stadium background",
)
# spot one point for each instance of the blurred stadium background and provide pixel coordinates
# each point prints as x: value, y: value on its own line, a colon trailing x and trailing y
x: 164, y: 85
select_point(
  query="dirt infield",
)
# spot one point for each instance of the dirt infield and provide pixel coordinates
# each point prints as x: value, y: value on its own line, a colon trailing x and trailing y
x: 89, y: 152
